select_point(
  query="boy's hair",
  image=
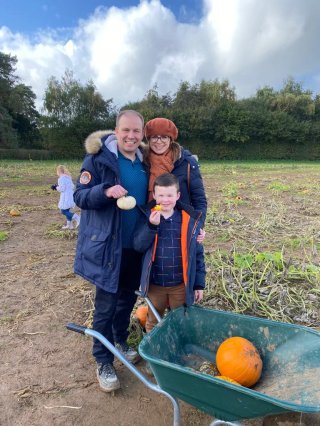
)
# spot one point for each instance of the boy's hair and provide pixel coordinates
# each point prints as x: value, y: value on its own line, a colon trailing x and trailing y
x: 63, y: 169
x: 167, y: 179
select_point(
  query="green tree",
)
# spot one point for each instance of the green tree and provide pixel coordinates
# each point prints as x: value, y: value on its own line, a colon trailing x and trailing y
x: 195, y: 108
x: 71, y: 111
x: 25, y: 116
x: 19, y: 117
x: 291, y: 99
x: 152, y: 105
x: 8, y: 136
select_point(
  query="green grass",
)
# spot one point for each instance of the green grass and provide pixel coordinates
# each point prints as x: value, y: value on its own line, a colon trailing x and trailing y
x: 4, y: 235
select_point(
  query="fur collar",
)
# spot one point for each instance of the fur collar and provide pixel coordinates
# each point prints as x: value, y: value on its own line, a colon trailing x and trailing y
x: 95, y: 140
x: 93, y: 143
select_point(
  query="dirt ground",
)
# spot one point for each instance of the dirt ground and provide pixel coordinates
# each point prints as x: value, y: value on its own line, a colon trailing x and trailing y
x: 47, y: 372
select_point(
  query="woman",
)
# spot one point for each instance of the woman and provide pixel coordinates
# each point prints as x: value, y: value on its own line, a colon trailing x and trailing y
x: 162, y: 154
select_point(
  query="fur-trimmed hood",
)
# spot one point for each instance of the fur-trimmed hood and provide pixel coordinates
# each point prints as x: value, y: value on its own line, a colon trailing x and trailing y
x: 94, y: 141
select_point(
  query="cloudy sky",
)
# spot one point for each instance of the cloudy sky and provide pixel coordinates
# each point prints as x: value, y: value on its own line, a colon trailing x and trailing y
x: 126, y: 47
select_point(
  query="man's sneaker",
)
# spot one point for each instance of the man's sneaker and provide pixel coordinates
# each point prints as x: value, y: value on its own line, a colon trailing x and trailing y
x: 107, y: 377
x: 128, y: 352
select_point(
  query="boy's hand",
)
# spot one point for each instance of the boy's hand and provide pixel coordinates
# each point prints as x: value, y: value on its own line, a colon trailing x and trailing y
x: 198, y: 295
x: 155, y: 218
x: 201, y: 236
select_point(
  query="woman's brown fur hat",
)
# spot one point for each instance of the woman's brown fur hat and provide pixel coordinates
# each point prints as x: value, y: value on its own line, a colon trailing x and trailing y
x: 161, y: 126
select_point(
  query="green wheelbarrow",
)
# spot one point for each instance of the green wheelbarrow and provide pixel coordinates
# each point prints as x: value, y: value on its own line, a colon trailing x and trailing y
x: 290, y: 380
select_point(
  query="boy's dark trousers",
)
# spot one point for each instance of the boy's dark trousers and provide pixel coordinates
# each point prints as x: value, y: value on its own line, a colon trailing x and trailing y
x: 112, y: 310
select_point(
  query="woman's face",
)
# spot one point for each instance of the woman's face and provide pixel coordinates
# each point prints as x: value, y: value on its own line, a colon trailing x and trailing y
x: 159, y: 144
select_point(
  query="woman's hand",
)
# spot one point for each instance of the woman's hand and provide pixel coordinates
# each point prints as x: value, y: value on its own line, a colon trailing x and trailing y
x: 201, y: 236
x: 155, y: 217
x: 198, y: 295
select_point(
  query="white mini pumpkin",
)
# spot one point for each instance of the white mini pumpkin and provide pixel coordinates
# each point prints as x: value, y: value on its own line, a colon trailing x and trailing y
x: 126, y: 203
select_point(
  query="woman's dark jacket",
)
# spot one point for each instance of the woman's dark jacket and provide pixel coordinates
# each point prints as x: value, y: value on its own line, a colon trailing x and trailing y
x: 187, y: 170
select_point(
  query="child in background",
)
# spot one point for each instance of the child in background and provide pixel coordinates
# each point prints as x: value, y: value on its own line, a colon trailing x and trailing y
x: 173, y: 270
x: 65, y: 186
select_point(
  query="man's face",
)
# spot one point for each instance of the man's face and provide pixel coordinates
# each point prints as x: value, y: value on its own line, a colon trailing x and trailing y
x: 129, y: 134
x: 166, y: 196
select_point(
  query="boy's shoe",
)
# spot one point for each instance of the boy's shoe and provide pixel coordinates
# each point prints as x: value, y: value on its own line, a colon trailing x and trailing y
x: 128, y: 352
x: 107, y: 377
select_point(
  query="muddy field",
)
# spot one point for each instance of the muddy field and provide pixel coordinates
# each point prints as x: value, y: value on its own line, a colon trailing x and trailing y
x: 48, y: 374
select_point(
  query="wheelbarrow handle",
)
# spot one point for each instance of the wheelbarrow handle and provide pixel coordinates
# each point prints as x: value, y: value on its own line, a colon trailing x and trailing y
x: 150, y: 304
x: 155, y: 387
x: 76, y: 327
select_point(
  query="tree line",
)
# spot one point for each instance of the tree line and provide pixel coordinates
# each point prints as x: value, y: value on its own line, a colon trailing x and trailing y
x: 212, y: 121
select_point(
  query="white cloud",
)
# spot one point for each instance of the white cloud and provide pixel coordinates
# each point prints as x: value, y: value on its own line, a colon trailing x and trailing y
x: 125, y: 52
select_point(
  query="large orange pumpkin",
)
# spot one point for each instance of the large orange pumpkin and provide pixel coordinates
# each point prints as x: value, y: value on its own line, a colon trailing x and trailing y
x: 141, y: 314
x: 238, y: 359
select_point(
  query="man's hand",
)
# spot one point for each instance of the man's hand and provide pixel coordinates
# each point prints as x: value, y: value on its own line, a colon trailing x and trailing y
x: 54, y: 187
x: 198, y: 295
x: 116, y: 191
x: 155, y: 217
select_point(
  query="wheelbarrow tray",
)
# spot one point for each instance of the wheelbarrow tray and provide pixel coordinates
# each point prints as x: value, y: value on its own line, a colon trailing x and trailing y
x: 186, y: 337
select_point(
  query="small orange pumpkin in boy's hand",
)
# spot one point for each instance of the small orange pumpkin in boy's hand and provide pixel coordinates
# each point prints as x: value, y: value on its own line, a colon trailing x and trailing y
x: 157, y: 208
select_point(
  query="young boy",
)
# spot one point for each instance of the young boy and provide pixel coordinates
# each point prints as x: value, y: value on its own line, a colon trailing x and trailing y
x: 173, y: 271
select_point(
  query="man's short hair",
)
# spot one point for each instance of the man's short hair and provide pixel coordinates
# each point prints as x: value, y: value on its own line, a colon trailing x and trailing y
x: 129, y: 111
x: 167, y: 179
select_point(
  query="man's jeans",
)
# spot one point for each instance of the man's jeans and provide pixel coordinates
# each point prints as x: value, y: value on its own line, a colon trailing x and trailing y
x: 112, y: 310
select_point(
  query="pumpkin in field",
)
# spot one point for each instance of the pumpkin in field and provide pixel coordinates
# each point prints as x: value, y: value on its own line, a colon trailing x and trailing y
x: 238, y: 359
x: 15, y: 212
x: 141, y: 314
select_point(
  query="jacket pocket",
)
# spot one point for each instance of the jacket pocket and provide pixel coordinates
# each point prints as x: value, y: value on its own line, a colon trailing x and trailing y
x: 96, y: 245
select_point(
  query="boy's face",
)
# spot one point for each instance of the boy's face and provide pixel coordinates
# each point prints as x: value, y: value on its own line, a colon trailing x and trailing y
x: 166, y: 196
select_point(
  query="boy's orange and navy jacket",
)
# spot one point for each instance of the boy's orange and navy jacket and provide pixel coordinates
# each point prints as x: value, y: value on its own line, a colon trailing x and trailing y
x: 145, y: 241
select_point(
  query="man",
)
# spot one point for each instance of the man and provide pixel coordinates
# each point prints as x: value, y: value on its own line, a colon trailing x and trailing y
x: 105, y: 254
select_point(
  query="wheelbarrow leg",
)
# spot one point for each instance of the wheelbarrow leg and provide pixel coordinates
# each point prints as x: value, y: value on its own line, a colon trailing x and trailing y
x: 129, y: 365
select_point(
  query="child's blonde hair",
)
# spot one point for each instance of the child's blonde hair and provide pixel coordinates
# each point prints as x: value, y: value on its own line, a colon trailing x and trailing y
x: 62, y: 169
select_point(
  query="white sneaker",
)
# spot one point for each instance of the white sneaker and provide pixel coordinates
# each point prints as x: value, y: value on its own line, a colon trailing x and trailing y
x: 107, y: 377
x: 76, y: 218
x: 68, y: 225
